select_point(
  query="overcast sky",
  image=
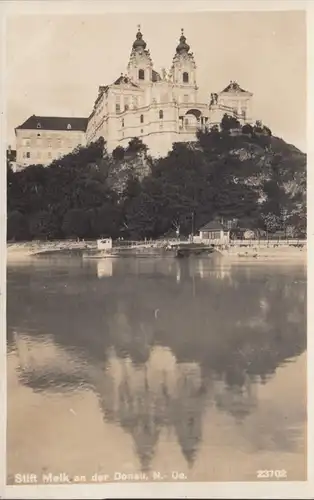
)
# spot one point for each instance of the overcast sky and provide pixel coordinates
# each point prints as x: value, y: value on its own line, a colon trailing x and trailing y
x: 56, y: 63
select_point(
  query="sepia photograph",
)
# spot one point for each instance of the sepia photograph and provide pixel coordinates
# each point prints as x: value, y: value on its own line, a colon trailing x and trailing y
x: 156, y: 248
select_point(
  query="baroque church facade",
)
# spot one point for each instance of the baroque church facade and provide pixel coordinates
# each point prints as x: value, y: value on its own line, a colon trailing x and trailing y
x: 158, y: 108
x: 161, y: 108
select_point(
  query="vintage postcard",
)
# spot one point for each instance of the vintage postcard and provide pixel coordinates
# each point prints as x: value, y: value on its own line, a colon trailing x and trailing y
x: 155, y: 245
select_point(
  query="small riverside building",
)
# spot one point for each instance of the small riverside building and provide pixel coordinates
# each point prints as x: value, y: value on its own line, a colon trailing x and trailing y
x: 104, y: 244
x: 215, y: 231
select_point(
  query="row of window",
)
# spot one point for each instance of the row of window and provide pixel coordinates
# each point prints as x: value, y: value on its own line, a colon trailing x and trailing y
x: 37, y: 155
x: 161, y: 115
x: 135, y: 103
x: 164, y: 98
x: 185, y: 76
x: 69, y: 127
x: 48, y: 142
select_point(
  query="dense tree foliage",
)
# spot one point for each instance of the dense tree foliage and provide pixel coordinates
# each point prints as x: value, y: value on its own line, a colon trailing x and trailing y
x: 229, y: 172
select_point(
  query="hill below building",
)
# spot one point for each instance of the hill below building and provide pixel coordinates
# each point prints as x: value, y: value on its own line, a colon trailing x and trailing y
x: 243, y: 175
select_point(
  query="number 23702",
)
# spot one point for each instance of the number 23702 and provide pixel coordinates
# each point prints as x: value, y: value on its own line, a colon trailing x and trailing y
x: 268, y: 474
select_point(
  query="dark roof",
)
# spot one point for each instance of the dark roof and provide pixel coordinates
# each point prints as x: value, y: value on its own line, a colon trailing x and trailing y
x: 54, y: 123
x: 234, y: 87
x: 155, y: 76
x: 214, y: 226
x: 101, y: 91
x: 124, y: 79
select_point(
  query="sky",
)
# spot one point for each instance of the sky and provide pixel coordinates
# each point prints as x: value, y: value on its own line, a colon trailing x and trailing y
x: 55, y: 63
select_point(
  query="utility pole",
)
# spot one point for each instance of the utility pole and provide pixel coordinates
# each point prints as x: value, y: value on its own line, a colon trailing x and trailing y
x: 192, y: 227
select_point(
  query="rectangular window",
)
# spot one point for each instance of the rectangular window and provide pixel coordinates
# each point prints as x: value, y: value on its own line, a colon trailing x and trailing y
x: 118, y: 109
x: 135, y: 102
x: 28, y: 155
x: 49, y: 154
x: 186, y: 98
x: 49, y: 142
x: 126, y: 103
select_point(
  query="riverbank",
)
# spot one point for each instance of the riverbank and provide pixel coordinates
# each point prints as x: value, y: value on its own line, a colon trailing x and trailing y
x: 265, y: 253
x: 29, y: 249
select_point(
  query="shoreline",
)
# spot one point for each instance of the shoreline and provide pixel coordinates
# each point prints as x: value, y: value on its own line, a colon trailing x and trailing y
x: 29, y: 250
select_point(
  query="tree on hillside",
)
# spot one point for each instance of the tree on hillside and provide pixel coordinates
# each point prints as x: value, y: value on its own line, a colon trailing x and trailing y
x: 105, y: 221
x: 118, y: 153
x: 17, y: 226
x: 76, y: 223
x: 136, y: 146
x: 228, y: 123
x: 42, y: 225
x: 250, y: 176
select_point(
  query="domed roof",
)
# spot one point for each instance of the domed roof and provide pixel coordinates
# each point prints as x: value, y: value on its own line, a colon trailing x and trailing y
x: 139, y: 42
x: 183, y: 46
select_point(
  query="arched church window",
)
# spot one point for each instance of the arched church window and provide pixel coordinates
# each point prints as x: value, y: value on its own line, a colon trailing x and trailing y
x: 142, y: 118
x: 161, y: 114
x: 141, y: 74
x: 185, y: 77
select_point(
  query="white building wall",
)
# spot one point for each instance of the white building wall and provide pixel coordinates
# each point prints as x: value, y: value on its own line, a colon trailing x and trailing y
x: 43, y: 146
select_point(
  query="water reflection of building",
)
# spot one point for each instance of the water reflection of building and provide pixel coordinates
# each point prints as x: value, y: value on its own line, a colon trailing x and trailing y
x: 110, y: 344
x: 160, y: 393
x: 104, y: 268
x: 212, y: 267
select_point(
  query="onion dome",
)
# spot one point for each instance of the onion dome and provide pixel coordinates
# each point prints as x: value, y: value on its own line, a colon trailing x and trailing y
x: 139, y: 42
x: 183, y: 46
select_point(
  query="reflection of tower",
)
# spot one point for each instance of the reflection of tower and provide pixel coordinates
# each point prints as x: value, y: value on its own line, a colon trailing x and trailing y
x: 136, y: 415
x: 187, y: 410
x: 144, y: 399
x: 131, y: 337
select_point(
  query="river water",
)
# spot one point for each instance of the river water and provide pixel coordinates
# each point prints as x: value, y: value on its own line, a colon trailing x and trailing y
x: 194, y: 367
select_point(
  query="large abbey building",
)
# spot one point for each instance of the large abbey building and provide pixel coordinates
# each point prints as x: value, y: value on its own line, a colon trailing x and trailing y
x: 159, y: 108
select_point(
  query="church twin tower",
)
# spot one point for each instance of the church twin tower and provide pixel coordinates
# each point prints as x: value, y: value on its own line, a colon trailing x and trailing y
x: 160, y: 108
x: 183, y: 69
